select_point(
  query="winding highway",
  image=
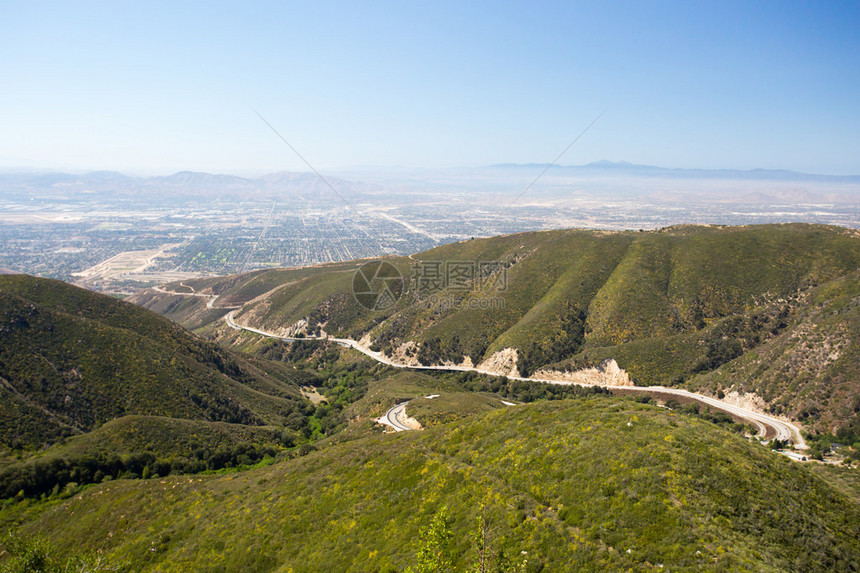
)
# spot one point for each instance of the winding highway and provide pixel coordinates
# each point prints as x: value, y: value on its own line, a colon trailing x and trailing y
x: 781, y: 429
x: 210, y: 304
x: 393, y: 416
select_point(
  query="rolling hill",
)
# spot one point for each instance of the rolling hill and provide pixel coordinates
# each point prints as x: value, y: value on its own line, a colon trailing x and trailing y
x: 596, y: 483
x: 762, y: 315
x: 174, y: 453
x: 72, y: 361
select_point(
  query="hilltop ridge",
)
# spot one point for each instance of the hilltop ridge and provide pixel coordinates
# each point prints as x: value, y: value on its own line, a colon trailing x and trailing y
x: 72, y: 360
x: 683, y: 306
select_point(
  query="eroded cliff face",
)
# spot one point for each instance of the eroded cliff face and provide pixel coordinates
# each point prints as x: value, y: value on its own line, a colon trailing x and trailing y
x: 406, y: 353
x: 608, y: 373
x: 503, y: 362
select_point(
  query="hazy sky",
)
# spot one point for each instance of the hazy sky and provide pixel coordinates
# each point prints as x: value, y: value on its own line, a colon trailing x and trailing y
x: 150, y: 87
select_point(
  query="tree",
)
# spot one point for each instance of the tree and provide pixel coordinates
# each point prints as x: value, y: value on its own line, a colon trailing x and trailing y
x: 481, y: 542
x: 435, y: 554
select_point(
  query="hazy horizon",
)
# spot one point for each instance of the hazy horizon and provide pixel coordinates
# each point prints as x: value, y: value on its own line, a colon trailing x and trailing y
x: 395, y: 170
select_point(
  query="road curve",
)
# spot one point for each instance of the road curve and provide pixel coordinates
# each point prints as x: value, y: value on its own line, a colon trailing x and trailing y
x: 392, y: 418
x: 784, y: 431
x: 210, y: 304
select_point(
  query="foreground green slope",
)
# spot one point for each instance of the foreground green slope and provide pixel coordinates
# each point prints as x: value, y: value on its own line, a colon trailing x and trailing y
x: 71, y: 360
x: 596, y: 483
x: 715, y: 309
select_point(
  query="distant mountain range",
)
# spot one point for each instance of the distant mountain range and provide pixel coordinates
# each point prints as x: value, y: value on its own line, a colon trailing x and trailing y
x: 601, y: 179
x: 624, y: 168
x: 196, y: 179
x: 183, y: 183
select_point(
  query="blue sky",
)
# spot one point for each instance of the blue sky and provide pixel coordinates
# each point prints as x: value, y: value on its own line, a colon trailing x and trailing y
x: 152, y: 88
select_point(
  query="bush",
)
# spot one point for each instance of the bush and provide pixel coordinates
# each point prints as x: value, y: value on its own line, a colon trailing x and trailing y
x: 27, y: 554
x: 50, y: 477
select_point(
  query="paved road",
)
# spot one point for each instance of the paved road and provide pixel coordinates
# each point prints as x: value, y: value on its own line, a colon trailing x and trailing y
x: 393, y: 417
x: 784, y: 431
x: 210, y: 304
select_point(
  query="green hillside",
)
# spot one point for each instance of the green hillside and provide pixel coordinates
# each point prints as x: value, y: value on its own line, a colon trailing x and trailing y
x: 162, y: 436
x: 716, y: 309
x: 93, y: 389
x: 142, y: 469
x: 595, y: 483
x: 812, y: 369
x: 72, y: 360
